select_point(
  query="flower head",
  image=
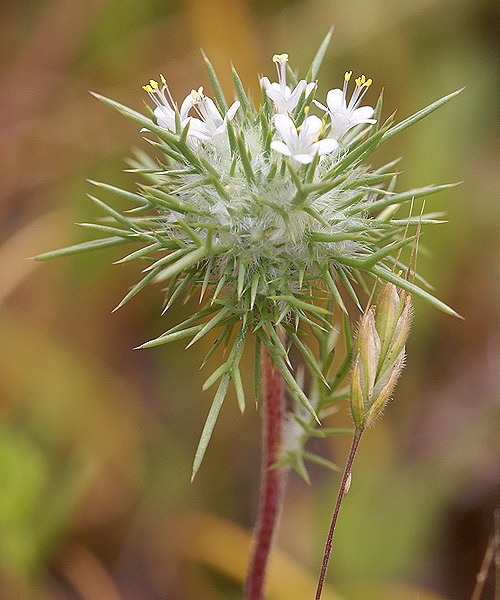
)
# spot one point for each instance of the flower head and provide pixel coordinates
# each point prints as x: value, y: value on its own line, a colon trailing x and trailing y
x: 345, y: 115
x: 284, y: 98
x: 271, y: 245
x: 301, y: 143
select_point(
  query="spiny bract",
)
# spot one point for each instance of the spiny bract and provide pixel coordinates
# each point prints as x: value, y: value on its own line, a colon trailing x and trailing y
x: 264, y: 210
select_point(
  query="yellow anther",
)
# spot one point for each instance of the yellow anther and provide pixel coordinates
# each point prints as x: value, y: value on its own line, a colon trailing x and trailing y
x: 163, y: 80
x: 153, y: 84
x: 306, y: 109
x: 368, y: 82
x: 148, y: 89
x: 347, y: 75
x: 280, y: 58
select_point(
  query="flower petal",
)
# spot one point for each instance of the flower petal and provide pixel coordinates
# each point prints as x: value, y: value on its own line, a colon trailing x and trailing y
x: 363, y: 114
x: 232, y: 110
x: 319, y: 105
x: 309, y: 88
x: 186, y: 106
x: 325, y: 146
x: 199, y: 130
x: 264, y: 83
x: 281, y: 147
x: 213, y: 114
x: 294, y: 97
x: 286, y: 128
x: 305, y: 159
x: 311, y: 127
x: 335, y: 101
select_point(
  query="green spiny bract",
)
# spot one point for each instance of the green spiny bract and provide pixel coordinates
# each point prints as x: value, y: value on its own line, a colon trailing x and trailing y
x: 268, y: 216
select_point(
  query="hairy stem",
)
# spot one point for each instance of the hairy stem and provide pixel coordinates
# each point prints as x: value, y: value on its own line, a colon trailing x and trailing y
x: 273, y: 480
x: 342, y: 493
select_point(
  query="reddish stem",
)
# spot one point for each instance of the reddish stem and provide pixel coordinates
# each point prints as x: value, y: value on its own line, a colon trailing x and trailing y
x: 342, y: 492
x: 273, y: 480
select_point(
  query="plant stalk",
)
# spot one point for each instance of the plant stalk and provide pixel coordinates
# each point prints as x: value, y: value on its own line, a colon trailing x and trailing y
x: 341, y: 494
x: 273, y: 480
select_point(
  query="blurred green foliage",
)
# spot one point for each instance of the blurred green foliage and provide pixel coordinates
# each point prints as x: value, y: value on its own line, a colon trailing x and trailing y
x: 96, y: 440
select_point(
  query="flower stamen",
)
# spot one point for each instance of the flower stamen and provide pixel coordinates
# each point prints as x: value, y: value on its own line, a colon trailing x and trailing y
x: 281, y: 60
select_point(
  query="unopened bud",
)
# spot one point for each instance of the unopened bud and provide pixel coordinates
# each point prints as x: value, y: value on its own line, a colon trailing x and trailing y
x: 379, y: 353
x: 357, y: 403
x: 367, y: 348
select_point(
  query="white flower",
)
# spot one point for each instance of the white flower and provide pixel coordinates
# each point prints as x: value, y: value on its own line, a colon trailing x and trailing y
x: 284, y: 99
x: 211, y: 124
x: 301, y: 143
x: 345, y: 116
x: 166, y: 107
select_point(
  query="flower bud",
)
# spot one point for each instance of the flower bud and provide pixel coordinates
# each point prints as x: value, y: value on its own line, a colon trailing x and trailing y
x: 379, y: 353
x: 357, y: 404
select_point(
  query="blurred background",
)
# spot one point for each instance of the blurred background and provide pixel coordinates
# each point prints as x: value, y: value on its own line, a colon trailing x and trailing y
x: 97, y: 440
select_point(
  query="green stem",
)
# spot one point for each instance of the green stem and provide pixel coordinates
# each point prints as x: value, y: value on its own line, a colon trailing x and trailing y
x: 341, y: 494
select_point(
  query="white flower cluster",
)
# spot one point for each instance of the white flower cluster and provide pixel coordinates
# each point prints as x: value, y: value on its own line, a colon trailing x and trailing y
x: 208, y: 128
x: 301, y: 143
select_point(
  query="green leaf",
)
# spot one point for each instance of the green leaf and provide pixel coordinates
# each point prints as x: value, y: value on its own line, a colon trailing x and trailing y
x: 83, y: 247
x: 287, y: 376
x: 245, y: 159
x: 119, y: 218
x: 183, y: 263
x: 238, y: 386
x: 138, y: 287
x: 168, y: 259
x: 319, y: 460
x: 357, y: 153
x: 330, y: 282
x: 128, y: 235
x: 219, y: 372
x: 301, y: 304
x: 212, y: 323
x: 386, y: 274
x: 141, y: 120
x: 210, y: 423
x: 139, y: 253
x: 171, y: 337
x: 240, y: 91
x: 224, y: 335
x: 201, y: 314
x: 331, y: 431
x: 136, y: 198
x: 219, y: 95
x: 418, y: 116
x: 320, y: 54
x: 377, y: 113
x: 390, y: 199
x: 179, y: 285
x: 308, y: 357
